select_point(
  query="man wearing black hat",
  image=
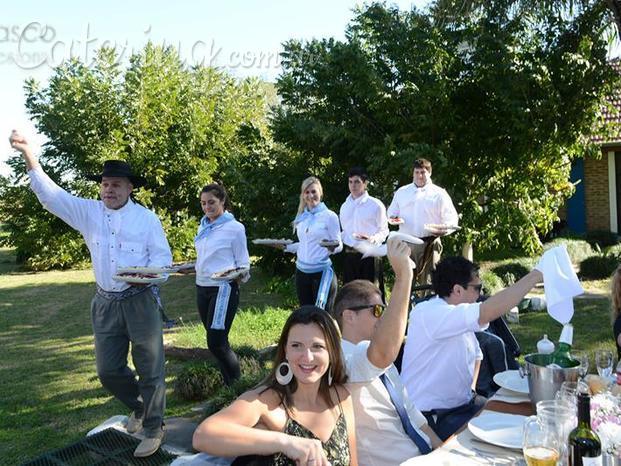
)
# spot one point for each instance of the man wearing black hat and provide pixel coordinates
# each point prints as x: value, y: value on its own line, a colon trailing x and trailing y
x: 118, y: 233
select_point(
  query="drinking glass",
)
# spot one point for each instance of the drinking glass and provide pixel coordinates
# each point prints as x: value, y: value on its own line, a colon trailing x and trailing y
x: 539, y: 443
x: 583, y: 358
x: 560, y: 416
x: 567, y: 394
x: 603, y: 362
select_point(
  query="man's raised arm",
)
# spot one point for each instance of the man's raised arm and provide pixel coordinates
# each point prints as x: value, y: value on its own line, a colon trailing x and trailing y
x: 390, y: 331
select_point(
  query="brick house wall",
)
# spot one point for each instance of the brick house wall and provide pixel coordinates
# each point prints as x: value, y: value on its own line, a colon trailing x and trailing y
x: 596, y: 193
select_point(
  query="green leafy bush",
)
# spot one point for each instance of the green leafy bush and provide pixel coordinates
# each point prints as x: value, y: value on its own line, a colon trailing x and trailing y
x: 492, y: 283
x: 578, y: 249
x: 198, y: 381
x: 511, y: 272
x: 598, y: 267
x: 602, y: 238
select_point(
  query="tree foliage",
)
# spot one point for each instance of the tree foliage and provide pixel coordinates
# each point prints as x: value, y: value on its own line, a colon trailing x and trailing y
x: 178, y: 127
x: 501, y: 99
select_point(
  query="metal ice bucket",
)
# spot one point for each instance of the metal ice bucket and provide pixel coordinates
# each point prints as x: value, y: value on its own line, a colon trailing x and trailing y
x: 544, y: 382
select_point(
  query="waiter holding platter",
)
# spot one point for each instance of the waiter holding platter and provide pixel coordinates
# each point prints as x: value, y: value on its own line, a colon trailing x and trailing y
x: 119, y: 233
x: 424, y: 210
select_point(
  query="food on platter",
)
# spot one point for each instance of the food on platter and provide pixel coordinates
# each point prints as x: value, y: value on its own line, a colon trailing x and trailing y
x: 140, y: 277
x: 272, y: 242
x: 230, y: 274
x: 395, y: 220
x: 155, y: 270
x: 440, y: 227
x: 329, y: 243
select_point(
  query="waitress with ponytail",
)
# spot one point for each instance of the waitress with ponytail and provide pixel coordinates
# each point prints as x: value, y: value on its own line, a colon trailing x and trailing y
x: 220, y: 245
x: 315, y: 281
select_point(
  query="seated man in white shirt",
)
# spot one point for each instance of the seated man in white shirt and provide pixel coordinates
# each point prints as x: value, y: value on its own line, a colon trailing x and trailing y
x: 419, y: 205
x: 371, y: 342
x: 442, y: 357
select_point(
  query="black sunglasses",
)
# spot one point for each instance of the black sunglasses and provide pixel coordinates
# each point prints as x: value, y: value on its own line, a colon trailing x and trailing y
x: 378, y: 309
x: 478, y: 286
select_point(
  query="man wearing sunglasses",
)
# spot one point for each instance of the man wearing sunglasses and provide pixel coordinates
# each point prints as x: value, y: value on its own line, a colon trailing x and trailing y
x: 442, y: 357
x: 389, y: 428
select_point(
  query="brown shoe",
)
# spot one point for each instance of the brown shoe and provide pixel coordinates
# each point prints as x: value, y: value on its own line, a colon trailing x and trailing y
x: 149, y: 445
x: 134, y: 424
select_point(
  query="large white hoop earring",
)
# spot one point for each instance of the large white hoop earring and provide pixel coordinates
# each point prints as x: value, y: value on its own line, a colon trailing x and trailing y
x: 284, y: 374
x: 330, y: 377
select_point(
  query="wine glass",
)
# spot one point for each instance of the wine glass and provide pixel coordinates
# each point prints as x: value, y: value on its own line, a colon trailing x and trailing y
x: 583, y: 358
x: 603, y: 362
x: 540, y: 443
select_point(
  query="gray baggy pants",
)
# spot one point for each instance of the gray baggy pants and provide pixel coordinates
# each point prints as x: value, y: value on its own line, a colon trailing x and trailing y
x: 116, y: 323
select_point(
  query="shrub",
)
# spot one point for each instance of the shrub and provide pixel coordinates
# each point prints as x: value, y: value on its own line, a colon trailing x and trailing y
x: 492, y: 283
x: 614, y: 250
x: 511, y: 272
x: 198, y: 381
x: 598, y: 267
x: 577, y: 249
x: 602, y: 238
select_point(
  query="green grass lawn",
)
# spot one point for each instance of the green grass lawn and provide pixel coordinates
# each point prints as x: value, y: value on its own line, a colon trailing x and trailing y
x: 49, y: 392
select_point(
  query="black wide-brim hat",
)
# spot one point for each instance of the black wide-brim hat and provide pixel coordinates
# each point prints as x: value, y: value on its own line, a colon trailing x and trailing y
x: 118, y: 168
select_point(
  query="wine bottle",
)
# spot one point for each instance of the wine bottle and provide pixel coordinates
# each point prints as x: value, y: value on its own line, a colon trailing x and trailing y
x: 561, y: 356
x: 585, y: 448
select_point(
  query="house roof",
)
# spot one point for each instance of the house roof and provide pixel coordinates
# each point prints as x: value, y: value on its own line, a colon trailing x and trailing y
x: 611, y: 113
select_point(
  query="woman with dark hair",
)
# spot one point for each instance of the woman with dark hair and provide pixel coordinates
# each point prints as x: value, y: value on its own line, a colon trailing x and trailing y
x: 301, y: 413
x: 319, y: 234
x: 220, y: 245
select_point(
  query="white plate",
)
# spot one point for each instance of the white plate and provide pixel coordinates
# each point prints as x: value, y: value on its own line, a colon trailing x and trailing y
x: 511, y: 380
x: 440, y: 226
x: 232, y: 275
x: 329, y: 242
x: 405, y: 237
x: 270, y: 242
x: 395, y: 220
x: 156, y: 270
x: 159, y: 278
x: 501, y: 429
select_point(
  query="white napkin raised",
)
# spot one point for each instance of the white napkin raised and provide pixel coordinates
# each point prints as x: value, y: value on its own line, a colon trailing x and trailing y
x: 368, y: 249
x: 560, y: 282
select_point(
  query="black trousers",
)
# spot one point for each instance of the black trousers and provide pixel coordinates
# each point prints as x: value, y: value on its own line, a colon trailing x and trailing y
x: 218, y: 339
x: 307, y: 287
x: 369, y: 268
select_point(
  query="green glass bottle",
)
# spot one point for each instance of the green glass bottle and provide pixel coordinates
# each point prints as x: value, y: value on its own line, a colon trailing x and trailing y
x: 561, y: 356
x: 585, y: 448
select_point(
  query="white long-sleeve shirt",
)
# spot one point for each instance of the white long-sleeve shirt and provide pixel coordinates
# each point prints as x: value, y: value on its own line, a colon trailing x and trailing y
x: 310, y: 231
x: 125, y: 237
x: 365, y: 215
x: 223, y: 249
x: 419, y: 206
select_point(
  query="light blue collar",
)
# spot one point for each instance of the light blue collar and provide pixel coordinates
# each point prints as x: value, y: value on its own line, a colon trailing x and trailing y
x: 206, y: 226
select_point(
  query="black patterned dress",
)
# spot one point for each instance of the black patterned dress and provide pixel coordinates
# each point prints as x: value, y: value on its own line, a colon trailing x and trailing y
x: 336, y: 448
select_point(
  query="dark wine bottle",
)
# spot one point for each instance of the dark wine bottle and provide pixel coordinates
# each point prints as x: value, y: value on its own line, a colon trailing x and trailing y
x: 585, y: 448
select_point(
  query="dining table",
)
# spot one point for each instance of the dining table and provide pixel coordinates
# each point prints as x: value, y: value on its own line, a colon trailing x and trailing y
x: 466, y: 449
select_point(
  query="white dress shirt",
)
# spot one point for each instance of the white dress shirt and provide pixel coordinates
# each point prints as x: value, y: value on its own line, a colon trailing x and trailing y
x: 380, y: 437
x: 310, y: 231
x: 125, y: 237
x: 419, y: 206
x: 222, y: 249
x: 365, y: 215
x: 440, y: 353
